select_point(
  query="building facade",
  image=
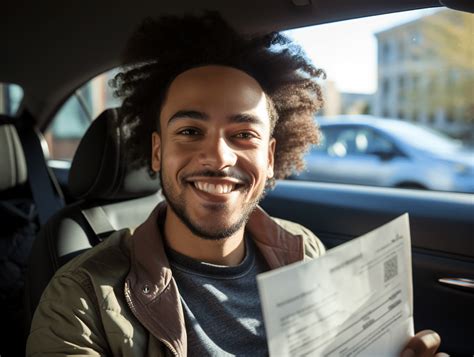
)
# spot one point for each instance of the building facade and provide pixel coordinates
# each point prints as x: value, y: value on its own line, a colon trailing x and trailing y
x: 426, y: 74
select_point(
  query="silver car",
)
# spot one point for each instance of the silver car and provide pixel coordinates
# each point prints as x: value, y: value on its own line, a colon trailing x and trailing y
x: 387, y: 152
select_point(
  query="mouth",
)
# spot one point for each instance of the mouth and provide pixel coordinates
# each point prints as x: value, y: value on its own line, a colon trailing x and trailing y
x: 216, y: 187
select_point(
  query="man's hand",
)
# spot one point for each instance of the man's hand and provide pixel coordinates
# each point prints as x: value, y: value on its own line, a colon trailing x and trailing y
x: 424, y: 344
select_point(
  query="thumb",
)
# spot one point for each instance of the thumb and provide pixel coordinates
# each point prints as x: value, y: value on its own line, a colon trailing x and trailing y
x: 423, y: 344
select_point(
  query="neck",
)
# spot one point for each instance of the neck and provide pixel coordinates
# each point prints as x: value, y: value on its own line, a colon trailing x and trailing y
x: 228, y: 251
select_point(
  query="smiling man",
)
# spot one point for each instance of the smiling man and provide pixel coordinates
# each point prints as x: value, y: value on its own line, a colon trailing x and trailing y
x: 222, y: 115
x: 215, y: 155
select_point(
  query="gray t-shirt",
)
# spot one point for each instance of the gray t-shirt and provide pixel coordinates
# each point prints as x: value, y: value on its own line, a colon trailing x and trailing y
x: 221, y: 305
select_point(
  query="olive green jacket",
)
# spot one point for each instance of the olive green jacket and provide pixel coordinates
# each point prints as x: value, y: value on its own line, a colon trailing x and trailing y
x: 120, y: 299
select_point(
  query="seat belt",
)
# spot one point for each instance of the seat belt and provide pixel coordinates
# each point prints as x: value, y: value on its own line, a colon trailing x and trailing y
x: 47, y: 197
x: 99, y: 222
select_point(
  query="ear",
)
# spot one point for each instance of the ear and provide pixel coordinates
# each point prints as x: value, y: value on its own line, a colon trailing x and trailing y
x: 271, y: 157
x: 155, y: 151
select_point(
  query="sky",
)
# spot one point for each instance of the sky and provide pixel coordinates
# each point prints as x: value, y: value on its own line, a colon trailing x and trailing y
x: 347, y: 50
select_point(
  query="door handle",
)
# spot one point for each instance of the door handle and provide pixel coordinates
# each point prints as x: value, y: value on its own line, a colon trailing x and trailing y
x: 458, y: 283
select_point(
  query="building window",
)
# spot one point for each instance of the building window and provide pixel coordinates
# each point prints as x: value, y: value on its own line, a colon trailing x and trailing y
x: 401, y: 50
x: 431, y: 118
x: 450, y: 115
x: 385, y: 52
x: 385, y: 87
x: 401, y: 89
x: 415, y: 82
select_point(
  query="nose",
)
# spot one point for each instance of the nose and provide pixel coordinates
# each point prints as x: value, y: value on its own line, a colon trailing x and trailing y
x: 217, y: 154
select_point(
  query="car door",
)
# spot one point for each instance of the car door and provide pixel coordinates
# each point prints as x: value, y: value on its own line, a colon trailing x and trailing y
x: 442, y: 237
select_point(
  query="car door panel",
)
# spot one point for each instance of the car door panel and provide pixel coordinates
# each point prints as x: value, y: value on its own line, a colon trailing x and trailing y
x: 441, y: 227
x: 447, y: 310
x: 352, y: 169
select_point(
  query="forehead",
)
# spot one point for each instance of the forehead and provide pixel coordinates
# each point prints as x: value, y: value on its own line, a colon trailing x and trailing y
x: 215, y: 90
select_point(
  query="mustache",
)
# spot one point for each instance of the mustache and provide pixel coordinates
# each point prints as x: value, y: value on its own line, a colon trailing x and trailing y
x: 230, y: 172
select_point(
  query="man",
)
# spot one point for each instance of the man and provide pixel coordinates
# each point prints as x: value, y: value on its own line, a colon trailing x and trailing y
x: 226, y: 115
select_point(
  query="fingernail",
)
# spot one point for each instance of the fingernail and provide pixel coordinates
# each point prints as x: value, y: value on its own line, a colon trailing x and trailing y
x: 408, y: 353
x: 431, y: 339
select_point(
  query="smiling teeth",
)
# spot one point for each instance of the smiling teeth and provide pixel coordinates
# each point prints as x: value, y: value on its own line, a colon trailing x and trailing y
x: 211, y: 188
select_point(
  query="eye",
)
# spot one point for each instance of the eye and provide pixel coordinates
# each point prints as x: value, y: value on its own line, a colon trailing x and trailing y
x: 189, y: 132
x: 246, y: 135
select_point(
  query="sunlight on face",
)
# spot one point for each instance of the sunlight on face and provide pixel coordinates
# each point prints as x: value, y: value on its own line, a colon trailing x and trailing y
x: 214, y: 153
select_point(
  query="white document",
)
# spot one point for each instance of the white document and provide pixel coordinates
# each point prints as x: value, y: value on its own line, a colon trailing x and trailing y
x: 354, y: 301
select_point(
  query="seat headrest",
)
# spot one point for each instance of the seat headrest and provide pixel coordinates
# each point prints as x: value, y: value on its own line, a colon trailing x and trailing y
x: 12, y: 158
x: 100, y: 170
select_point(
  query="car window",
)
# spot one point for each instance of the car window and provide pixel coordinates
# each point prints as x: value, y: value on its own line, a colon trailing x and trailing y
x: 11, y: 96
x: 345, y: 141
x: 327, y: 139
x: 432, y: 139
x: 374, y: 143
x: 74, y: 117
x: 403, y: 82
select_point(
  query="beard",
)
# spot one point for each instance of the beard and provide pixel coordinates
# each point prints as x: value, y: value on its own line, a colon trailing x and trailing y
x: 213, y: 230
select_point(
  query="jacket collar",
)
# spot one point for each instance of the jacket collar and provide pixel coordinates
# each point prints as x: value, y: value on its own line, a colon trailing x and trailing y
x: 151, y: 292
x: 278, y: 246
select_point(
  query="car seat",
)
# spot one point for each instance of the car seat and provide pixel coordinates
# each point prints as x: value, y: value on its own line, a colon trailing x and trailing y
x: 111, y: 196
x: 29, y: 196
x: 18, y: 219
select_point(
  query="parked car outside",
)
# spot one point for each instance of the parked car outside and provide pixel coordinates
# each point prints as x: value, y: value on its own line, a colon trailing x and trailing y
x: 366, y: 150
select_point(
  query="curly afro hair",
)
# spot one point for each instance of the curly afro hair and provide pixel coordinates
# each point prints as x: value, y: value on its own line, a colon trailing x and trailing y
x: 159, y: 50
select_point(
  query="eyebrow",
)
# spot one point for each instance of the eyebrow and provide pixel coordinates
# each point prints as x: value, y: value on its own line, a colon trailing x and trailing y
x: 188, y: 114
x: 245, y: 118
x: 194, y: 114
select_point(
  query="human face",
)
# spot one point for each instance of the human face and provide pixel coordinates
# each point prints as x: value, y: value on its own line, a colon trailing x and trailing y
x: 214, y: 151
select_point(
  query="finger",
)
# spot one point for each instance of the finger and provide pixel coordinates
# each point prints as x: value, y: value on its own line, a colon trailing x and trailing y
x: 423, y: 344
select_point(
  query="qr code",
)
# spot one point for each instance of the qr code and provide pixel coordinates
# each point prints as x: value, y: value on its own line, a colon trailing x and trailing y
x: 390, y: 269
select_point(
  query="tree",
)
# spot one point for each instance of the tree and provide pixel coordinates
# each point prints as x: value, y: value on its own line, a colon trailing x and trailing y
x: 448, y: 45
